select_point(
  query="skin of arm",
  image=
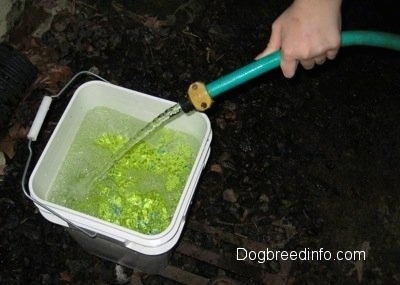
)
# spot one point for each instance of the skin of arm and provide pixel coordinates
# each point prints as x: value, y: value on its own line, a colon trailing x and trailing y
x: 307, y: 32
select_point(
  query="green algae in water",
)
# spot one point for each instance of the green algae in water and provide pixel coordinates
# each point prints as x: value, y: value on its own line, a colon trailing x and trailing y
x: 142, y: 189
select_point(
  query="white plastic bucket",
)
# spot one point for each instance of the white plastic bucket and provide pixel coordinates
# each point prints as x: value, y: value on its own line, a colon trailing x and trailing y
x: 118, y: 244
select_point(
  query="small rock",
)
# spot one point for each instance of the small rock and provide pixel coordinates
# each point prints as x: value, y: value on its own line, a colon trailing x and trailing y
x: 264, y: 198
x: 215, y: 167
x: 221, y: 123
x: 46, y: 279
x: 229, y: 195
x: 120, y: 275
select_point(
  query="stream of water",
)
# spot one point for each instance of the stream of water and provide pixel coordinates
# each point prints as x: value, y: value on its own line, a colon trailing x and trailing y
x: 148, y: 129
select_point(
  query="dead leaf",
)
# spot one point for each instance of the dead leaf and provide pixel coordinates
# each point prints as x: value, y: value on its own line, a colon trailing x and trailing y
x: 2, y: 163
x: 154, y: 24
x: 64, y: 276
x: 37, y: 52
x: 16, y: 132
x: 54, y: 78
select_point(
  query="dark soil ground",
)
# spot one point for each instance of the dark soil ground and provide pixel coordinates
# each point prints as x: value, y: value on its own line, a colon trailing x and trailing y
x: 311, y: 162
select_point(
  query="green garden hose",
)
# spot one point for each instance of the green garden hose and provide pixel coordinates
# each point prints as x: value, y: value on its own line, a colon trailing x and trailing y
x: 202, y: 96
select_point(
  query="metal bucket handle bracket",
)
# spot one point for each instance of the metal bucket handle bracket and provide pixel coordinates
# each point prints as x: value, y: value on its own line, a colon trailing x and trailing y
x: 32, y: 136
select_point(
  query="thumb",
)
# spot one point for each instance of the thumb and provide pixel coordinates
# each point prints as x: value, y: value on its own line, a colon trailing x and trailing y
x: 274, y: 44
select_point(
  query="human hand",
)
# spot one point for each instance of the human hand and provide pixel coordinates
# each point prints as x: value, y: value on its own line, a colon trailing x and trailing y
x: 307, y: 32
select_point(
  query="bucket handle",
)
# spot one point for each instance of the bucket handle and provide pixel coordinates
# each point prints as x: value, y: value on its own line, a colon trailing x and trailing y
x: 32, y: 136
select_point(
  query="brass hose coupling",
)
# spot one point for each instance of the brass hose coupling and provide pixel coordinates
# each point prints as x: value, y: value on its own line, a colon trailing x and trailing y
x: 199, y: 97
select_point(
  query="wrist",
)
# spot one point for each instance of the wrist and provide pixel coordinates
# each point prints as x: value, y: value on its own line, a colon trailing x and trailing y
x: 327, y: 3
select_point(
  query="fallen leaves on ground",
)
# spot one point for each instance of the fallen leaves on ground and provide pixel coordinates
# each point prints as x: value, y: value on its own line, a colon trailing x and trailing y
x: 7, y: 144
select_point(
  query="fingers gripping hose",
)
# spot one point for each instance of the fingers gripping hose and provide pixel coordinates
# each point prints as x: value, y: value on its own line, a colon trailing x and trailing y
x: 202, y: 96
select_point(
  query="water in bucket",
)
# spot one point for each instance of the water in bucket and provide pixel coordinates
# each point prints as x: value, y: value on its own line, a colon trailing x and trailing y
x: 141, y: 187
